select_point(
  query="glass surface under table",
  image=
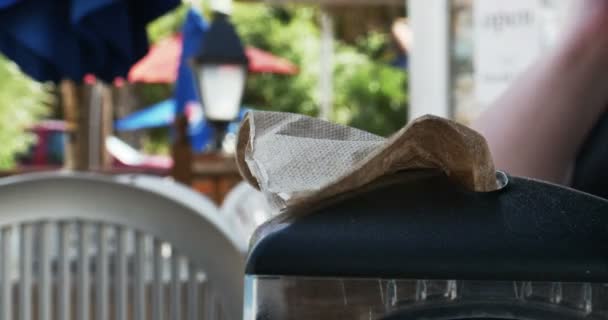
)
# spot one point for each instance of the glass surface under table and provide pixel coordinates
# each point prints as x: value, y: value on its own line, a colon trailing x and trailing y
x: 295, y: 298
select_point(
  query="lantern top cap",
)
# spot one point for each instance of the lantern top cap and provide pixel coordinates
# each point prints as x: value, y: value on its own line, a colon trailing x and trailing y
x: 221, y: 44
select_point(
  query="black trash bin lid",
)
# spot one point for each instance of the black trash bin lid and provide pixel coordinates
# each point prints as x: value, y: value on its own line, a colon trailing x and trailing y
x: 421, y: 226
x: 591, y: 169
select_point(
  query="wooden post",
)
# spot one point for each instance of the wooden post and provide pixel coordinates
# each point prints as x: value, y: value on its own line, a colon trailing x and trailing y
x: 125, y: 103
x: 88, y: 114
x: 107, y: 126
x: 214, y: 174
x: 182, y: 152
x: 93, y: 106
x: 69, y: 99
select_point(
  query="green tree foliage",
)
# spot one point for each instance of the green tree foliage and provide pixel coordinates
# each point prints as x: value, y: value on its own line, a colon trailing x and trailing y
x: 168, y: 24
x: 293, y: 35
x: 368, y: 92
x: 23, y: 101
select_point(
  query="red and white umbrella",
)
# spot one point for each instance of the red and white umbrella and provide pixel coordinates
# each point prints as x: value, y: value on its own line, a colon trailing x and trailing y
x: 161, y: 63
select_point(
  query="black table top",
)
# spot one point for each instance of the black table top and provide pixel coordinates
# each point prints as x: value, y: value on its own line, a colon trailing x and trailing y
x: 424, y: 227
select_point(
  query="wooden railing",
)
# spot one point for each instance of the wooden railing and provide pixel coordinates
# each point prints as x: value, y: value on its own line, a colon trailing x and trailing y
x: 211, y: 174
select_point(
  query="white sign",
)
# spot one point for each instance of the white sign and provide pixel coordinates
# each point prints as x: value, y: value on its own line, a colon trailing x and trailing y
x: 508, y: 36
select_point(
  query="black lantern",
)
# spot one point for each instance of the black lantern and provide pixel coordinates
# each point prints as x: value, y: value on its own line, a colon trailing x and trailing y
x: 220, y: 70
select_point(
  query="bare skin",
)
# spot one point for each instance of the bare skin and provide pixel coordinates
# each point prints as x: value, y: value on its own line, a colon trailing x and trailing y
x: 537, y: 127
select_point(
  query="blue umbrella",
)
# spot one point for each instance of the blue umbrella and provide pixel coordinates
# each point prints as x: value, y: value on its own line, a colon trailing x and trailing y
x: 51, y: 40
x: 161, y: 114
x: 6, y: 3
x: 193, y: 33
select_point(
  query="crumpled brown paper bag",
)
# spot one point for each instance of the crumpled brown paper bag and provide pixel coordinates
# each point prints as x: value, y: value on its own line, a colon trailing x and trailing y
x: 297, y: 160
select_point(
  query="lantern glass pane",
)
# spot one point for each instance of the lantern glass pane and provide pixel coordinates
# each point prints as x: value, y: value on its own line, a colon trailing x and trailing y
x: 221, y: 87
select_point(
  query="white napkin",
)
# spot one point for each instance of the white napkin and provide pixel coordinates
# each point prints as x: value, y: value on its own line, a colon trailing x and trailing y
x: 298, y: 160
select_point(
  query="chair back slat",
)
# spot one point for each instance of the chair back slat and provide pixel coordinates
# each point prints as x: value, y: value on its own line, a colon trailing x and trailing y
x: 101, y: 272
x: 25, y: 268
x: 120, y: 294
x: 193, y: 288
x: 83, y: 285
x: 64, y: 272
x: 44, y: 270
x: 6, y: 303
x: 140, y: 300
x: 210, y: 306
x: 158, y: 303
x: 176, y: 291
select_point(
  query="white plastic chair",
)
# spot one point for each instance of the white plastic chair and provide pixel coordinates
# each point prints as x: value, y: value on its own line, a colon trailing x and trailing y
x: 245, y: 208
x: 78, y: 246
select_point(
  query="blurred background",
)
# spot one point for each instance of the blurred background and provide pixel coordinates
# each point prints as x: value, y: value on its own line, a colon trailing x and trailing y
x: 364, y: 63
x: 148, y: 96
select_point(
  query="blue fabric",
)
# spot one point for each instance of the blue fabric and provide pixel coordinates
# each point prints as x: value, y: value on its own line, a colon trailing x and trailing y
x: 7, y: 3
x: 402, y: 61
x: 51, y: 40
x: 157, y: 115
x: 162, y: 114
x: 193, y: 33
